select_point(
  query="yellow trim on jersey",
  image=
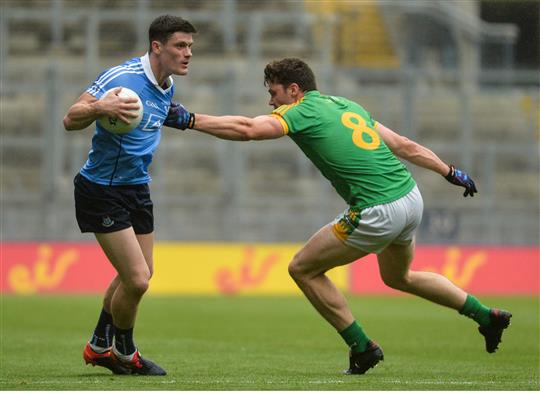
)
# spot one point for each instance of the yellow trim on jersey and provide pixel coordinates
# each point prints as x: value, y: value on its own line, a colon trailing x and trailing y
x: 284, y: 108
x: 280, y: 111
x: 283, y: 123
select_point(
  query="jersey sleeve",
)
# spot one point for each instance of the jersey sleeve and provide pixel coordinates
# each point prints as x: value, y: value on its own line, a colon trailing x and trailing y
x: 108, y: 80
x: 370, y: 121
x: 295, y: 118
x: 96, y: 88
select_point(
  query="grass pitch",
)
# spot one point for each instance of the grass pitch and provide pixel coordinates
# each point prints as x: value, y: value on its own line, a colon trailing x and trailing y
x: 279, y: 343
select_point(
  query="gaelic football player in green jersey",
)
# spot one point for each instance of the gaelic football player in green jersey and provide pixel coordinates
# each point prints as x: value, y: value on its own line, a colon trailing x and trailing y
x: 359, y: 157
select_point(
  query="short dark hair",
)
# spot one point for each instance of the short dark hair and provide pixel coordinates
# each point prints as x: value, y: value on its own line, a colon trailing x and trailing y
x: 164, y: 26
x: 290, y: 70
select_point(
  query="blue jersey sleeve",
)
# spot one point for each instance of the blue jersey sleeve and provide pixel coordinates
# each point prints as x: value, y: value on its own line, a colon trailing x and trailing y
x: 98, y: 89
x: 121, y: 75
x: 95, y: 88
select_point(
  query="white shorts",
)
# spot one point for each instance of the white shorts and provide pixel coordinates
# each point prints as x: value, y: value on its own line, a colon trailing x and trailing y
x: 374, y: 228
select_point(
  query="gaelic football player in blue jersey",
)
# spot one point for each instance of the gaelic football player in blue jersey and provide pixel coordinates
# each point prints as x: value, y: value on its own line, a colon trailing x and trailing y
x: 112, y: 198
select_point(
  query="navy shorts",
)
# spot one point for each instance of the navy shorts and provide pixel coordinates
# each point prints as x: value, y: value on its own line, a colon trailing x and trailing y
x: 105, y: 209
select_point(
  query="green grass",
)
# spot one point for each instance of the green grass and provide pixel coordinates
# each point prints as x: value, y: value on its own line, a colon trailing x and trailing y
x: 268, y: 344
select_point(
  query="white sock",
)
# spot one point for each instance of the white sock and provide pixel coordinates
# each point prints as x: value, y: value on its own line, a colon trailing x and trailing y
x: 97, y: 349
x: 122, y: 357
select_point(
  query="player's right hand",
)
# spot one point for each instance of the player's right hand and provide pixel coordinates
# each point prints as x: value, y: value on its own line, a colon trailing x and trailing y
x: 461, y: 178
x: 121, y: 107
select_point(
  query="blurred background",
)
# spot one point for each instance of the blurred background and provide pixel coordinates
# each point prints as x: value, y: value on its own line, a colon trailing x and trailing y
x: 460, y: 77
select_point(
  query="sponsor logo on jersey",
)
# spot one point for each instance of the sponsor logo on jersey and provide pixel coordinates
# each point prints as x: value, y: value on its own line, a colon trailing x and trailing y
x: 152, y: 104
x: 154, y: 123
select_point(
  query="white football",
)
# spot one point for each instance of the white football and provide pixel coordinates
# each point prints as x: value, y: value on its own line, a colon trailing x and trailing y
x: 117, y: 126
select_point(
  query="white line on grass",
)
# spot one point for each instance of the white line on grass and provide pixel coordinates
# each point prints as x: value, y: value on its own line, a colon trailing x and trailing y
x: 83, y: 382
x: 420, y: 382
x: 254, y: 382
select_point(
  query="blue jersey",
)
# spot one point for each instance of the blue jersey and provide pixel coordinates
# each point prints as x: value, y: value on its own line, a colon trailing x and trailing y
x: 117, y: 159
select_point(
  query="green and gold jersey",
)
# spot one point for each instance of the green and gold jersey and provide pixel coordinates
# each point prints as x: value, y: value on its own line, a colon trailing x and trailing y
x: 338, y: 136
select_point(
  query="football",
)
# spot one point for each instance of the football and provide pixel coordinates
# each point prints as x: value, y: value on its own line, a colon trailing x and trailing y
x: 115, y: 125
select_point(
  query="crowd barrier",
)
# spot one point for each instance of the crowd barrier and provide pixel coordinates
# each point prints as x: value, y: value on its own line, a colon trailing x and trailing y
x: 255, y: 269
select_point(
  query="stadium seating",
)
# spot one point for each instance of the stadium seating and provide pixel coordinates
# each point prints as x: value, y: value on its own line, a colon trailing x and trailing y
x: 255, y: 191
x: 361, y: 38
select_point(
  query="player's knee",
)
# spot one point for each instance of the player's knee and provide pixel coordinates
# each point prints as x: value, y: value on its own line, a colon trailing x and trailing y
x: 400, y: 283
x: 295, y: 269
x: 299, y: 269
x: 138, y: 285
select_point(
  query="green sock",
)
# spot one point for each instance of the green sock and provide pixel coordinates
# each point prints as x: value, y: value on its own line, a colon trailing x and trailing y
x: 476, y: 310
x: 355, y: 337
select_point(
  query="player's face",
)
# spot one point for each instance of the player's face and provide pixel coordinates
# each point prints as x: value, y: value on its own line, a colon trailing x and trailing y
x: 280, y: 95
x: 176, y: 53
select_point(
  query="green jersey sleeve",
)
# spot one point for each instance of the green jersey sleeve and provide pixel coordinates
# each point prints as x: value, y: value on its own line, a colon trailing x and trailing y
x: 296, y: 118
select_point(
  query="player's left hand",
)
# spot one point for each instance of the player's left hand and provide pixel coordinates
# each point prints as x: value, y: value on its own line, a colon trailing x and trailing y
x: 179, y: 117
x: 461, y: 178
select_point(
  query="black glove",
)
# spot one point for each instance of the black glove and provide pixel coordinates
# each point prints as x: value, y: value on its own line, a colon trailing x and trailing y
x: 179, y: 117
x: 461, y: 178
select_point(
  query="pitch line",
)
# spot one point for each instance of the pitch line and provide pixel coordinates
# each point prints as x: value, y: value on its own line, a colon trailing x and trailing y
x: 268, y: 382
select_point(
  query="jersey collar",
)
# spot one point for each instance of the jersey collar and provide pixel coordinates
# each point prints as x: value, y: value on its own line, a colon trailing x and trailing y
x: 145, y: 60
x: 312, y: 93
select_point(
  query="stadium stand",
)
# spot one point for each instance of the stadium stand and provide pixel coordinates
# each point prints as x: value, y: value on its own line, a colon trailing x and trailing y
x: 208, y: 189
x: 361, y: 38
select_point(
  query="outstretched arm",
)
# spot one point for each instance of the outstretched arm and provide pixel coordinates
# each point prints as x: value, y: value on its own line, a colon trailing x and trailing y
x: 422, y: 156
x: 239, y: 128
x: 411, y: 151
x: 236, y: 128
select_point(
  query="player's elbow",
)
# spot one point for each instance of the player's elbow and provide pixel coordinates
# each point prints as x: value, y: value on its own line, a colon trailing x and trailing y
x: 248, y: 134
x: 414, y: 150
x: 261, y: 128
x: 406, y: 148
x: 254, y: 135
x: 68, y: 124
x: 247, y: 130
x: 74, y: 125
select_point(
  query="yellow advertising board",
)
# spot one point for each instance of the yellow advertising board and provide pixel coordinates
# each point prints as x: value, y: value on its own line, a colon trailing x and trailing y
x: 228, y: 268
x: 254, y: 269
